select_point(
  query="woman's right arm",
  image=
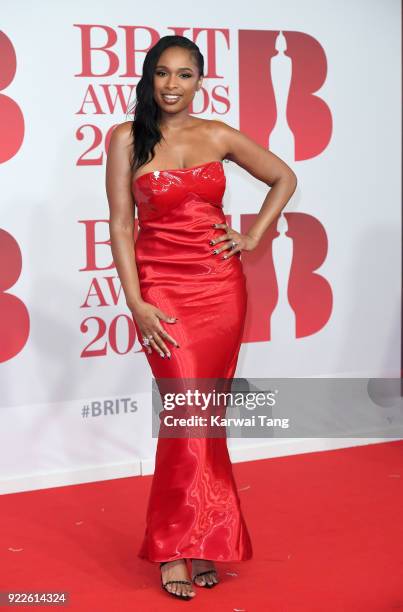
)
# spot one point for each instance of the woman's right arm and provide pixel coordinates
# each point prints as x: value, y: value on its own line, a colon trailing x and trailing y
x: 121, y: 207
x: 121, y: 232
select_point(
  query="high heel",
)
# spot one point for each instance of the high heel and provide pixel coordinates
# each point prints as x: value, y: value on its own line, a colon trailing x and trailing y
x: 164, y: 586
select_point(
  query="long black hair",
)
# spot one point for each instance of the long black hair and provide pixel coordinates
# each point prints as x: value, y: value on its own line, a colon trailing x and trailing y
x: 145, y: 127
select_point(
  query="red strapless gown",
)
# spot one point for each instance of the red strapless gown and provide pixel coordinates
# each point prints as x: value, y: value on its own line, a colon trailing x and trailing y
x: 194, y: 509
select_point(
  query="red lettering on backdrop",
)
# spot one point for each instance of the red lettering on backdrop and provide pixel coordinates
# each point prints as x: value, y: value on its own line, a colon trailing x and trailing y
x: 212, y: 49
x: 257, y: 106
x: 308, y: 116
x: 309, y: 293
x: 131, y: 49
x: 261, y: 283
x: 225, y: 101
x: 118, y: 102
x: 91, y: 246
x: 95, y: 290
x: 119, y: 96
x: 111, y: 289
x: 14, y: 319
x: 12, y: 126
x: 310, y: 120
x: 88, y: 49
x: 91, y: 98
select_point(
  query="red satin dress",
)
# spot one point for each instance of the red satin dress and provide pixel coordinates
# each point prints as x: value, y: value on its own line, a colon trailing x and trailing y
x: 193, y: 510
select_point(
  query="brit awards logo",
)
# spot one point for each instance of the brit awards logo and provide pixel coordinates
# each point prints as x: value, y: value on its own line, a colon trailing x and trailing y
x: 280, y: 109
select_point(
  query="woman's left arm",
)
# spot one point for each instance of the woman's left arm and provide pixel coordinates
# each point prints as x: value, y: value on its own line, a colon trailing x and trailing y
x: 263, y: 165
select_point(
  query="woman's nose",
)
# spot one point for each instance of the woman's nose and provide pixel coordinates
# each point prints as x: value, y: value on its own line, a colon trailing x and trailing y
x: 172, y: 80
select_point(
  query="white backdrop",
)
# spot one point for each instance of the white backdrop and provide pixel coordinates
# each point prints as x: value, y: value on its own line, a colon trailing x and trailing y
x: 334, y: 116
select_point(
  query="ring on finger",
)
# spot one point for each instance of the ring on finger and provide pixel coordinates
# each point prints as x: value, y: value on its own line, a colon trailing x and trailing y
x: 152, y: 338
x: 158, y: 348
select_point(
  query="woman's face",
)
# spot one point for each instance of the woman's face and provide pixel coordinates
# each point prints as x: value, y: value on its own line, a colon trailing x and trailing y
x: 176, y: 80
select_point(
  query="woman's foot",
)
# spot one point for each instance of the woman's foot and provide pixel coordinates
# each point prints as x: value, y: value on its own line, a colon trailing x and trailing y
x: 204, y: 573
x: 175, y: 578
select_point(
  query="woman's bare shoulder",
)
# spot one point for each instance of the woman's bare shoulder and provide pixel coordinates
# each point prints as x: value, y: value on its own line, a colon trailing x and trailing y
x: 219, y: 133
x: 123, y: 132
x: 217, y: 125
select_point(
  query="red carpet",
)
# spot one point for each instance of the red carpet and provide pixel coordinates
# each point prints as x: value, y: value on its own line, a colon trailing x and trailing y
x: 327, y: 530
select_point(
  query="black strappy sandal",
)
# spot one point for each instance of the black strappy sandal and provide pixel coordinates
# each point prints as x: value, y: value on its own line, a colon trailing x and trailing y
x: 206, y: 584
x: 164, y: 586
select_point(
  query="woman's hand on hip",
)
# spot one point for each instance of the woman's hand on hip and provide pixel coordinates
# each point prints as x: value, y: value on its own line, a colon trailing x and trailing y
x: 234, y: 242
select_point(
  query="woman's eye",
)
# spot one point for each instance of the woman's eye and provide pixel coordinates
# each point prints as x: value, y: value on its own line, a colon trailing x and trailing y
x: 161, y: 72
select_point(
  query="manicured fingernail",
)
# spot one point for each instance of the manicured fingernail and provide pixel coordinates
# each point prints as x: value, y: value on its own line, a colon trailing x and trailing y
x: 215, y: 251
x: 224, y: 257
x: 211, y: 242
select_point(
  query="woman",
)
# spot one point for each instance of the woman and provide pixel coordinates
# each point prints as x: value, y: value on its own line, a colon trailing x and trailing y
x: 184, y: 284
